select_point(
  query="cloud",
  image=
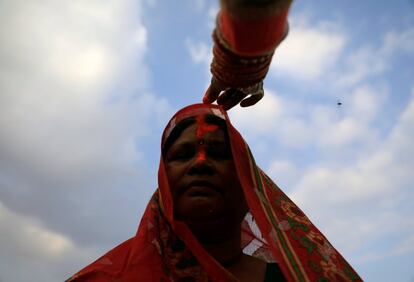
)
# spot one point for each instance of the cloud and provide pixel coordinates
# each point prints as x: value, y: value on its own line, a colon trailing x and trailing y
x: 45, y: 244
x: 369, y: 61
x: 284, y: 172
x: 352, y: 123
x: 338, y: 195
x: 212, y: 15
x: 361, y: 178
x: 266, y: 114
x: 362, y: 63
x: 290, y: 122
x: 71, y: 42
x: 43, y: 255
x: 200, y: 52
x: 309, y: 50
x: 406, y: 246
x: 75, y: 111
x: 395, y: 41
x: 199, y: 4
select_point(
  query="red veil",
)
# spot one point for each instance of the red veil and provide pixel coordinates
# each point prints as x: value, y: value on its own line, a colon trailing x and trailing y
x: 275, y: 230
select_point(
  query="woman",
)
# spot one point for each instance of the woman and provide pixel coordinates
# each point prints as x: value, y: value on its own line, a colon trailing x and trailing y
x: 217, y: 217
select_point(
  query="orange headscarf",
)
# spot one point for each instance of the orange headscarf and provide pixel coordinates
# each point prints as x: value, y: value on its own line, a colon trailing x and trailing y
x: 275, y: 230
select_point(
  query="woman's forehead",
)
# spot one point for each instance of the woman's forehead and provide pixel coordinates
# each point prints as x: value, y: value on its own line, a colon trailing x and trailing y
x: 203, y: 128
x: 192, y: 111
x: 196, y: 132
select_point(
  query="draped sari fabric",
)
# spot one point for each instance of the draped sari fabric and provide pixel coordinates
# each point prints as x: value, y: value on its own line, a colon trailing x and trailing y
x: 275, y: 230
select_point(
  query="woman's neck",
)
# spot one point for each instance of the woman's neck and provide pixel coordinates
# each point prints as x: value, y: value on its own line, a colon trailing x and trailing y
x: 230, y: 256
x: 220, y: 239
x: 223, y: 243
x: 226, y: 252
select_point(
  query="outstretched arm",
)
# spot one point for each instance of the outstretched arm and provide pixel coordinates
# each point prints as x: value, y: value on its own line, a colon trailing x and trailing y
x: 246, y: 35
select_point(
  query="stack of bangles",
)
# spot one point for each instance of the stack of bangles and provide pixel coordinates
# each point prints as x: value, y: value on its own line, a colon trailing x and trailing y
x: 245, y: 72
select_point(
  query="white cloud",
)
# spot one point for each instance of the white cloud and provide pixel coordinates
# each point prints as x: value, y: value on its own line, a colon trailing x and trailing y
x: 30, y: 239
x: 212, y: 16
x: 362, y: 63
x: 395, y: 41
x: 74, y: 108
x: 309, y: 50
x: 61, y: 64
x: 266, y: 114
x: 199, y: 4
x: 293, y: 123
x: 200, y: 52
x: 350, y: 124
x: 39, y: 252
x: 406, y: 246
x: 371, y: 196
x: 70, y: 42
x: 284, y: 173
x: 366, y: 102
x: 274, y: 117
x: 368, y: 60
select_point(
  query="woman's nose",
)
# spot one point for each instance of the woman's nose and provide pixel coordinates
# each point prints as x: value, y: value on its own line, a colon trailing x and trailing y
x: 201, y: 166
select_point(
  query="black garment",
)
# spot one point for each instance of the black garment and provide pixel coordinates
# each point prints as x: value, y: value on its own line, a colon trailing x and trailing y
x: 273, y: 273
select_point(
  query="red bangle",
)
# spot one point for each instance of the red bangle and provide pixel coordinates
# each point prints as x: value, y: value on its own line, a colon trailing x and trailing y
x: 233, y: 70
x: 243, y: 49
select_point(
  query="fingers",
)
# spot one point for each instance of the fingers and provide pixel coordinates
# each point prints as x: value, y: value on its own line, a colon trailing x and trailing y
x: 230, y: 98
x: 212, y: 92
x: 253, y: 99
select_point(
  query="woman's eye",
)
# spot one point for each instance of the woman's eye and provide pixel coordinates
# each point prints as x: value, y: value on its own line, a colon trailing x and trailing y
x: 219, y: 152
x: 181, y: 155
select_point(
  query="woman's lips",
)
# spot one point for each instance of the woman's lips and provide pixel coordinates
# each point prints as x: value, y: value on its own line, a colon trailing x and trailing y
x: 201, y: 188
x: 201, y: 191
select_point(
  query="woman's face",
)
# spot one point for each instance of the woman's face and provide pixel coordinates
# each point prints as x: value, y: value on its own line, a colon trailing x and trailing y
x: 202, y: 175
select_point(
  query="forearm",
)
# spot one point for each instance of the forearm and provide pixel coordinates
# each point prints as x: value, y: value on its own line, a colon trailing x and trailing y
x: 246, y: 35
x: 252, y: 27
x: 254, y: 9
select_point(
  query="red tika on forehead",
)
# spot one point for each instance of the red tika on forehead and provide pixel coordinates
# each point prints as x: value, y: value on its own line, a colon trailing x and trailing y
x: 204, y: 128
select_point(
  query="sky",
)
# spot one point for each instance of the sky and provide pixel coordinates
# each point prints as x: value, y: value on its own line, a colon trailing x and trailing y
x: 86, y: 88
